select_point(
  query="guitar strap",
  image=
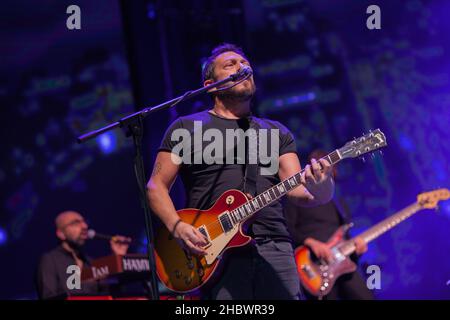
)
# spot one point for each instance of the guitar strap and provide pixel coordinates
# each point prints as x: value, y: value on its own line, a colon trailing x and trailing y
x: 251, y: 169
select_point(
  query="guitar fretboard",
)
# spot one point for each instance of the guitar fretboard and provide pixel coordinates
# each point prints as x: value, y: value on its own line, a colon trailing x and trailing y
x: 274, y: 193
x: 374, y: 232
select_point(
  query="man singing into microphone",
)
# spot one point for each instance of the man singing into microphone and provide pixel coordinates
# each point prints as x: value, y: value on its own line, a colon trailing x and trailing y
x: 265, y: 269
x: 72, y: 232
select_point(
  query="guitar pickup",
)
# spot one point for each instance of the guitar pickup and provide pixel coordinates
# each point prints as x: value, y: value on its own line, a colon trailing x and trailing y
x: 225, y: 222
x: 204, y: 231
x: 308, y: 270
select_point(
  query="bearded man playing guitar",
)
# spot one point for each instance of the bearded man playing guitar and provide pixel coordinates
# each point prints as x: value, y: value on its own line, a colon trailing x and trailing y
x: 265, y: 268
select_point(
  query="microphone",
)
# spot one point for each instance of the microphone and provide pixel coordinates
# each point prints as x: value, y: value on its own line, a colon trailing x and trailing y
x: 245, y: 71
x: 92, y: 234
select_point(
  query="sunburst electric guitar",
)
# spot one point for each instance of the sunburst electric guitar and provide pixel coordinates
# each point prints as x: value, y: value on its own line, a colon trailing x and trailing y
x: 319, y: 277
x: 224, y: 222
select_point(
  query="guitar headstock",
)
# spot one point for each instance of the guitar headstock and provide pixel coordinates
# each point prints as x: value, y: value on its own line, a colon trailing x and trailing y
x: 372, y: 141
x: 430, y: 199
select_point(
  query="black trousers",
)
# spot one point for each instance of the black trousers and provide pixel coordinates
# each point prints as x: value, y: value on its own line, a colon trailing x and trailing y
x: 263, y: 271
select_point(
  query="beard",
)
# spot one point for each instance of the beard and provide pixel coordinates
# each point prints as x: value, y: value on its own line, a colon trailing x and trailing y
x: 76, y: 243
x: 241, y: 93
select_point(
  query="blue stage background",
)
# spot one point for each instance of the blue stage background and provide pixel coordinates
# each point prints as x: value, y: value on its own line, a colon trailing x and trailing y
x: 318, y: 70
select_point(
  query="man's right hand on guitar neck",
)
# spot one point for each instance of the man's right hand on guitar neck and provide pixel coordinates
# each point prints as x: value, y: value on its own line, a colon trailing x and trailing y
x: 190, y: 238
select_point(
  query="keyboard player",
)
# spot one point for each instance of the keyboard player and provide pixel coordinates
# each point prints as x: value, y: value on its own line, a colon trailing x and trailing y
x: 72, y: 233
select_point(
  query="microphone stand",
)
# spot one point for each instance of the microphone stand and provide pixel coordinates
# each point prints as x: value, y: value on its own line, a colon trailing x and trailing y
x: 133, y: 124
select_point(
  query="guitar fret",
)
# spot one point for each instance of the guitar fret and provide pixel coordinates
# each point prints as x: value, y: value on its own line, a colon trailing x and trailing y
x: 334, y: 157
x: 236, y: 214
x: 260, y: 202
x: 247, y: 207
x: 255, y: 204
x: 292, y: 182
x: 241, y: 212
x: 233, y: 217
x: 272, y: 194
x: 277, y: 192
x: 267, y: 197
x: 281, y: 188
x: 287, y: 186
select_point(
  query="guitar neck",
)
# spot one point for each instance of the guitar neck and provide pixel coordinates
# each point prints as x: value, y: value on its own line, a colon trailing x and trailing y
x: 274, y: 193
x: 380, y: 228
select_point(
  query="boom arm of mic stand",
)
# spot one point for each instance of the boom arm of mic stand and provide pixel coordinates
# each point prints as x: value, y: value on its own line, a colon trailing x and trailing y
x: 146, y: 111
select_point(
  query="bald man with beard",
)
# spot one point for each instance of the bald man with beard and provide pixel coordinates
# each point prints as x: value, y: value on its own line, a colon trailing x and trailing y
x: 72, y: 232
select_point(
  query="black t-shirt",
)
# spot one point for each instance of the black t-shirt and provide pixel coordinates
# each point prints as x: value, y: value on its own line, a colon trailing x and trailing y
x: 319, y: 222
x: 205, y: 181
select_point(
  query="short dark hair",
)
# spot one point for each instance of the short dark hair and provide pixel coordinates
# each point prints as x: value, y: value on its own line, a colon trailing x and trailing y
x: 208, y: 65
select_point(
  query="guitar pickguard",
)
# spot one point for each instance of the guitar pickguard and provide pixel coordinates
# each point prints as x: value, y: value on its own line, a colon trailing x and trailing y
x: 217, y: 245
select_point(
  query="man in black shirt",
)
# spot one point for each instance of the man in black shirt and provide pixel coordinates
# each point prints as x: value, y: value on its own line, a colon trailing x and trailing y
x: 53, y: 275
x: 266, y: 269
x: 313, y: 227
